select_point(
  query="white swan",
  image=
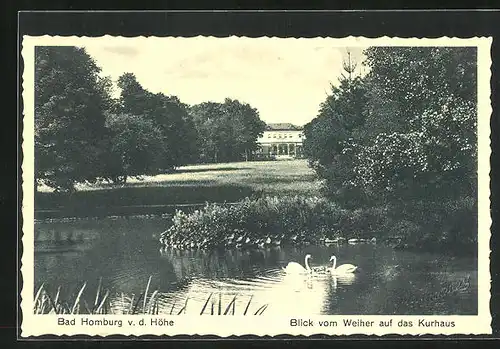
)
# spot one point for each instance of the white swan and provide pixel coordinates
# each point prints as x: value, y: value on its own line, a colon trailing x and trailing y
x: 296, y: 268
x: 341, y: 269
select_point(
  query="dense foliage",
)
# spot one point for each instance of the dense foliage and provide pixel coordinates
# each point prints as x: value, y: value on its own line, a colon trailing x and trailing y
x: 280, y: 218
x: 228, y: 131
x: 70, y: 101
x: 432, y: 149
x: 404, y: 136
x: 136, y: 147
x: 168, y: 114
x: 340, y: 116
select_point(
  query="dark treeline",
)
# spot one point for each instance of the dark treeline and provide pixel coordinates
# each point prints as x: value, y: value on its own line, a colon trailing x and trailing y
x: 398, y: 146
x: 83, y: 134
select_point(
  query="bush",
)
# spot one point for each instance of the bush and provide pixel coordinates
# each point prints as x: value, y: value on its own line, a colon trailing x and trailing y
x: 285, y: 218
x: 364, y: 223
x: 449, y: 226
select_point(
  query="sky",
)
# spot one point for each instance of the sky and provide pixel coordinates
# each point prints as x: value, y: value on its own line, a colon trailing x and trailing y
x: 284, y: 79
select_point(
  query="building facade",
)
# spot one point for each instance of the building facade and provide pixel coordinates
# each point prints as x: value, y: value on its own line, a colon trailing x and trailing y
x: 281, y: 141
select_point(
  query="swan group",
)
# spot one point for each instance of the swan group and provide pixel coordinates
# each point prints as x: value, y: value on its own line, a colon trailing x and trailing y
x: 296, y: 268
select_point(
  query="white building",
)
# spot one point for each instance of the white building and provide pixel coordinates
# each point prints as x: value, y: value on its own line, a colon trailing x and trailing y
x: 281, y: 141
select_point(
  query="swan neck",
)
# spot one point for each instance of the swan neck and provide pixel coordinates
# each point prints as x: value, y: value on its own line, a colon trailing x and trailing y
x: 334, y: 262
x: 307, y: 263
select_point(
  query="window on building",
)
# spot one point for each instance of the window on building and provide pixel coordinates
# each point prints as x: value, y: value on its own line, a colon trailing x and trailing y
x: 282, y: 149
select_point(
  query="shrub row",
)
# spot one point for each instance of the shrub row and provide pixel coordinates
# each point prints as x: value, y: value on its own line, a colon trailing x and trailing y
x: 283, y: 218
x: 296, y: 219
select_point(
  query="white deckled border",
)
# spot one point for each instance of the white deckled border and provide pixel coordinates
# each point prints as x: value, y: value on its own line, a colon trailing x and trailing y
x: 35, y: 325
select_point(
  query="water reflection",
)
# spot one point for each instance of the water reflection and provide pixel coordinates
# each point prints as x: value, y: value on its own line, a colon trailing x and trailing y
x: 124, y: 253
x: 343, y: 280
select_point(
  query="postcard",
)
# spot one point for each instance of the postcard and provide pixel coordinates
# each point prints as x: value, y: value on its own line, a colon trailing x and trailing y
x: 255, y: 186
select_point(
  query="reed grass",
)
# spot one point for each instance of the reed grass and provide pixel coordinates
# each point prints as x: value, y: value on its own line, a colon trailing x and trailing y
x: 44, y: 303
x: 98, y: 290
x: 248, y: 305
x: 173, y: 305
x: 229, y: 306
x: 206, y: 303
x: 183, y: 309
x: 76, y: 305
x: 146, y: 295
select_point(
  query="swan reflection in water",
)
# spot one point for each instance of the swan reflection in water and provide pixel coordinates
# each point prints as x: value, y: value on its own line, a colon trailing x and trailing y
x: 288, y: 291
x: 308, y: 293
x: 343, y: 280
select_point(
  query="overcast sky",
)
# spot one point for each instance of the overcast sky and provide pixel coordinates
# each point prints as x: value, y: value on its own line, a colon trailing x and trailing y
x: 285, y: 79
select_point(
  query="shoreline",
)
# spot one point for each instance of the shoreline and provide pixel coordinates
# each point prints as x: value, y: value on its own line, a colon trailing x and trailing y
x: 393, y: 242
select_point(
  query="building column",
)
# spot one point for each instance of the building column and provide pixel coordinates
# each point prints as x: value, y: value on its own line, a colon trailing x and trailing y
x: 298, y: 150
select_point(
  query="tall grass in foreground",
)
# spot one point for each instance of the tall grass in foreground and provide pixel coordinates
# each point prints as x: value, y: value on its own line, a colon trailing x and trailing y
x: 146, y: 303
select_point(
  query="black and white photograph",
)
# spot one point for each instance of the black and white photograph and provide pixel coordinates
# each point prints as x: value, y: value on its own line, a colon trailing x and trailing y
x: 340, y: 185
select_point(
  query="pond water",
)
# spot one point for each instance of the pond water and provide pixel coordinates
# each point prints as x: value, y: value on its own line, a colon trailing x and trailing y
x: 124, y: 253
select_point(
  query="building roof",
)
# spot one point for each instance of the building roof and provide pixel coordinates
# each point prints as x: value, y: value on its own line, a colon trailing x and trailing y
x: 286, y: 126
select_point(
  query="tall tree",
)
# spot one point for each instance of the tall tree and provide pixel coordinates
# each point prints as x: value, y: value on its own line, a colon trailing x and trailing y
x: 431, y: 145
x: 406, y: 128
x: 168, y: 115
x: 228, y: 131
x: 133, y: 97
x: 207, y: 118
x: 180, y: 136
x: 246, y: 127
x: 136, y: 147
x: 70, y: 100
x: 414, y: 156
x: 340, y: 119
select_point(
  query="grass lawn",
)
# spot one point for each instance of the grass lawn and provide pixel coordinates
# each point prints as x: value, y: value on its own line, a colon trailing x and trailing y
x: 194, y: 184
